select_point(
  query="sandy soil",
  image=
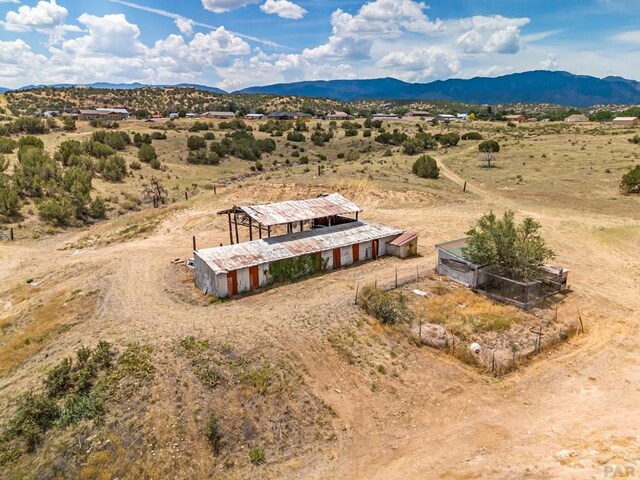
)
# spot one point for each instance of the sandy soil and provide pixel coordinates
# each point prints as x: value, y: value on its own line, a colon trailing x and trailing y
x: 569, y: 414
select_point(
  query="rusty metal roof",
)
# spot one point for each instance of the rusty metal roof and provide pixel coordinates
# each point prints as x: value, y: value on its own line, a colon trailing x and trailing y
x: 403, y: 239
x: 299, y: 210
x: 258, y: 252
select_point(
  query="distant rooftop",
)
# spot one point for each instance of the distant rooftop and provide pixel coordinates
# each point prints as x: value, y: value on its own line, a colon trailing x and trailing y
x: 454, y: 247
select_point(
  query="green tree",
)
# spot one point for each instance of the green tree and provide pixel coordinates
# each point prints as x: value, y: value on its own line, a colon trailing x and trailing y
x: 631, y: 181
x: 516, y: 251
x: 426, y: 167
x: 147, y: 153
x: 7, y: 145
x: 488, y: 150
x: 196, y: 142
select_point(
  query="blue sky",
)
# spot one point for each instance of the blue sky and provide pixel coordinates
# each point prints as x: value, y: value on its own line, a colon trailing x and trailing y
x: 238, y: 43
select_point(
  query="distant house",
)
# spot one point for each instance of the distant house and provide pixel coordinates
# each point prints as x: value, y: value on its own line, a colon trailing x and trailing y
x: 102, y: 114
x: 220, y: 115
x: 191, y: 115
x: 50, y: 113
x: 577, y: 118
x: 462, y: 117
x: 385, y: 116
x: 123, y: 112
x: 303, y: 116
x: 627, y: 121
x: 337, y: 115
x: 445, y: 117
x: 173, y: 116
x: 279, y: 115
x: 254, y: 116
x: 515, y: 118
x: 418, y: 113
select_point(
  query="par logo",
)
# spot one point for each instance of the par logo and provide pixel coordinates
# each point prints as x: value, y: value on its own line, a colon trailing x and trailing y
x: 621, y: 468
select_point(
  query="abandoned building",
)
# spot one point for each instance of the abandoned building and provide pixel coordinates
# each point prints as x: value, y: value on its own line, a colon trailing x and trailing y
x: 485, y: 279
x: 295, y: 238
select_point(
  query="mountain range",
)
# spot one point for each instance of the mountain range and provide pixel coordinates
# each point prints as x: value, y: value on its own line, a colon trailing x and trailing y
x: 538, y: 86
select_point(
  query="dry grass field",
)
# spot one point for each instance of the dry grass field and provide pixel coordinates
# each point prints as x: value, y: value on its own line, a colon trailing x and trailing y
x: 302, y: 384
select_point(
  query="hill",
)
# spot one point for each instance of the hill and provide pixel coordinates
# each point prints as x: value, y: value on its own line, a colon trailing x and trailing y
x: 120, y: 86
x: 531, y: 87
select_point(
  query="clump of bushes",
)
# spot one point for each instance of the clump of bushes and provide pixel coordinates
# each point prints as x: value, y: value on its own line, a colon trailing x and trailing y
x: 203, y: 157
x: 147, y: 153
x: 635, y: 139
x: 426, y: 167
x: 631, y: 181
x: 196, y: 142
x: 471, y: 136
x: 388, y: 307
x: 296, y: 136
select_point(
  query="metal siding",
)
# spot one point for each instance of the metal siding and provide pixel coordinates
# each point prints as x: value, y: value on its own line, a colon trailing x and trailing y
x: 327, y: 256
x: 244, y: 281
x: 346, y: 256
x: 220, y: 284
x: 263, y: 274
x: 366, y: 251
x: 468, y: 278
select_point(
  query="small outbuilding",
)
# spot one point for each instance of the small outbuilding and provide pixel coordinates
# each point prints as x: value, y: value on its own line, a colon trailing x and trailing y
x: 406, y: 245
x: 453, y: 264
x: 577, y: 118
x: 626, y: 121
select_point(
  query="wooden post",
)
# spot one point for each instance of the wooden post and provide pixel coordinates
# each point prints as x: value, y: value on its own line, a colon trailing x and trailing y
x: 260, y: 230
x: 214, y: 190
x: 301, y: 225
x: 250, y: 230
x: 420, y: 331
x: 580, y: 318
x: 186, y: 195
x: 230, y: 229
x: 235, y: 222
x: 417, y: 274
x: 357, y: 289
x: 396, y: 277
x: 194, y: 243
x: 269, y: 231
x: 11, y: 234
x: 464, y: 188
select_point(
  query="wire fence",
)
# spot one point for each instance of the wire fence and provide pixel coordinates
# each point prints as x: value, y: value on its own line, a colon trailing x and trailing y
x: 12, y: 235
x: 395, y: 279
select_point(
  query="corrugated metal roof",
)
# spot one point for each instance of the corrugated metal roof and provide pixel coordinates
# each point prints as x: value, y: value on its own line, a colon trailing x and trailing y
x: 403, y: 239
x: 299, y: 210
x: 258, y: 252
x: 454, y: 247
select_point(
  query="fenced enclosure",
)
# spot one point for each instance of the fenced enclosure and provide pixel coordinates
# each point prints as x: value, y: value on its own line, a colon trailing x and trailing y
x: 525, y: 295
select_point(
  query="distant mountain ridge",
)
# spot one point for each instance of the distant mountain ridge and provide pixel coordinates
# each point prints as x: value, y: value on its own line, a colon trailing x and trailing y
x: 121, y: 86
x: 538, y: 86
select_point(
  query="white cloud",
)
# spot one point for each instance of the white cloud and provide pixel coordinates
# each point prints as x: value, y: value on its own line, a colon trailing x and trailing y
x: 185, y: 25
x: 550, y: 63
x: 631, y: 36
x: 17, y: 59
x: 494, y: 71
x: 488, y: 34
x: 9, y: 1
x: 284, y: 9
x: 43, y: 17
x: 421, y: 64
x: 221, y: 6
x: 110, y: 35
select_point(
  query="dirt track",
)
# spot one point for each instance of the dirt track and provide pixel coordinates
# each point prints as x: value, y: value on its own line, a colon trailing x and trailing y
x: 567, y: 415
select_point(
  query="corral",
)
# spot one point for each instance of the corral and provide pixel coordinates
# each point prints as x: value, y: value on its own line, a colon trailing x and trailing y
x: 331, y: 241
x: 485, y: 278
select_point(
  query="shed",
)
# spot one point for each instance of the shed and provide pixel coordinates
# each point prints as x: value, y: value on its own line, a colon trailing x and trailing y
x: 627, y: 121
x: 515, y: 118
x: 233, y: 269
x: 453, y: 264
x: 406, y: 245
x: 577, y: 118
x: 337, y: 115
x: 220, y: 115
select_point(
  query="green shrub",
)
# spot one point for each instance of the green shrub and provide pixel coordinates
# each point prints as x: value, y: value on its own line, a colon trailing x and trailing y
x: 366, y: 133
x: 135, y: 165
x: 471, y: 136
x: 202, y: 157
x: 236, y: 124
x: 212, y: 432
x: 257, y: 456
x: 116, y: 140
x: 425, y: 167
x: 140, y: 139
x: 112, y: 169
x: 296, y: 137
x: 147, y: 153
x: 9, y: 200
x: 7, y: 145
x: 159, y: 136
x: 97, y: 208
x: 28, y: 125
x: 155, y: 164
x: 97, y: 149
x: 57, y: 211
x: 448, y: 139
x: 68, y: 149
x: 388, y: 307
x: 196, y: 142
x: 104, y: 123
x: 635, y: 139
x: 35, y: 415
x: 209, y: 136
x: 630, y: 182
x: 352, y: 132
x: 259, y: 166
x: 30, y: 141
x: 68, y: 124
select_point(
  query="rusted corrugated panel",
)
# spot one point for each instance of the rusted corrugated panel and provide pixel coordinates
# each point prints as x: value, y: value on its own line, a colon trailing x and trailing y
x: 258, y: 252
x: 403, y: 239
x: 300, y: 210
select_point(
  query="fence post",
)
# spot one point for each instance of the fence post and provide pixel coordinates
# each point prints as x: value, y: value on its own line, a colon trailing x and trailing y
x: 11, y: 234
x: 194, y: 243
x: 464, y: 188
x: 580, y: 318
x: 396, y: 277
x: 357, y: 288
x: 417, y: 274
